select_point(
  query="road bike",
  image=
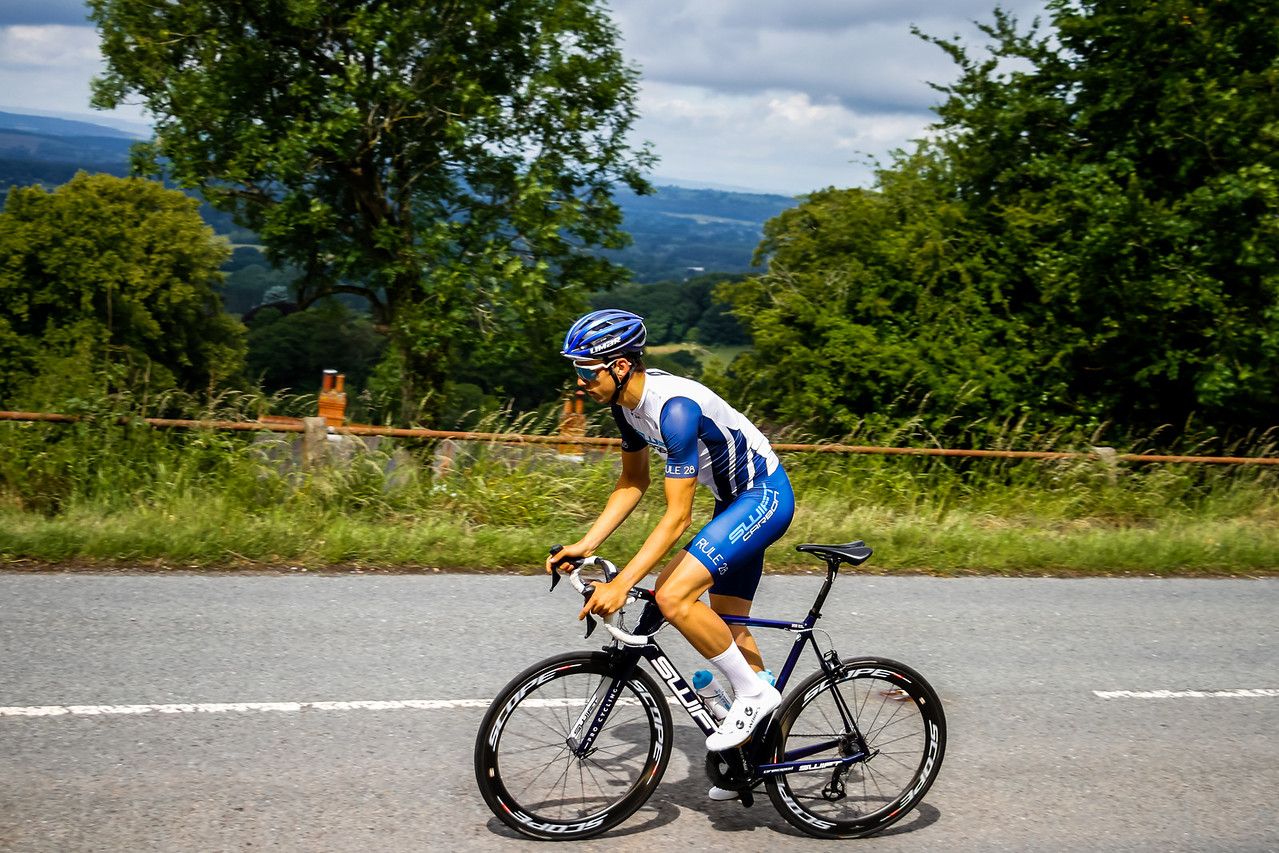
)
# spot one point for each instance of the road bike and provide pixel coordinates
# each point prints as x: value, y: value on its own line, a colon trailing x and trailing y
x: 574, y: 745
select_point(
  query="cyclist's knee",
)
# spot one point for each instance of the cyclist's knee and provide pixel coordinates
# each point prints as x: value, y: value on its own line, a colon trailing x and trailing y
x: 680, y: 586
x: 677, y: 600
x: 673, y: 602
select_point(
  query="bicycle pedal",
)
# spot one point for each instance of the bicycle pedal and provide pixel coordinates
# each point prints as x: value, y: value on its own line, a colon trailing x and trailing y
x: 747, y: 797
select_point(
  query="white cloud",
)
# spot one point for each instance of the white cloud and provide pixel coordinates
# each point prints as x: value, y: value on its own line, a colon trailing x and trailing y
x: 74, y: 49
x: 46, y: 69
x: 864, y: 57
x: 786, y: 97
x: 795, y: 96
x: 775, y: 140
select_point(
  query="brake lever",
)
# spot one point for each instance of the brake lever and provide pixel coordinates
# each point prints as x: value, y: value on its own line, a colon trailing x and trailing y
x: 590, y: 620
x: 555, y: 568
x: 587, y: 592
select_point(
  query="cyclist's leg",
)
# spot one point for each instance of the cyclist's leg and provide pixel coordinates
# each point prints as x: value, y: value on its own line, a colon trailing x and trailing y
x: 681, y: 583
x: 678, y: 590
x: 736, y: 605
x: 741, y: 531
x: 732, y: 605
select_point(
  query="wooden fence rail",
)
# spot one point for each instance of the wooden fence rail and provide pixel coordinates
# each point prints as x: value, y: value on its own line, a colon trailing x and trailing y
x: 587, y: 441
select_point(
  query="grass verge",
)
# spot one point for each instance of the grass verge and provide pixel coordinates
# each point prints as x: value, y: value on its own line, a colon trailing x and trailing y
x: 205, y: 501
x: 960, y: 545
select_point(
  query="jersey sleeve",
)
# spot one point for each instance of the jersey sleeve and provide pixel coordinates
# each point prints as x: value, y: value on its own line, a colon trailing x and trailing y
x: 631, y: 439
x: 679, y: 422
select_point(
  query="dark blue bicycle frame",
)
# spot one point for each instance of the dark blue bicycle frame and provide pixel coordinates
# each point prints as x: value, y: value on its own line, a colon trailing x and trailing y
x: 628, y: 658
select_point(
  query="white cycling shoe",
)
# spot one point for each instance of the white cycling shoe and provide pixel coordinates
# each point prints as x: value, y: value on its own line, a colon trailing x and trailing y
x: 743, y: 717
x: 721, y: 794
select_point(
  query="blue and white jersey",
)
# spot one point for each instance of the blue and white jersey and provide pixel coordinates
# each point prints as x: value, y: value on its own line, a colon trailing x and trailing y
x: 698, y: 434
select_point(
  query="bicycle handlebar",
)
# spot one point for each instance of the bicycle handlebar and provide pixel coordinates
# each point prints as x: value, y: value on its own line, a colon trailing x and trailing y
x: 611, y: 621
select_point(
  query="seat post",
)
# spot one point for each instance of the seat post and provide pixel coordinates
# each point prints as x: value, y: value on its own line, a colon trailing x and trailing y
x: 832, y: 569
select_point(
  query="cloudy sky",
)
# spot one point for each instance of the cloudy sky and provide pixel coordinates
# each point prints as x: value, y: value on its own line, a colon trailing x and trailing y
x: 782, y: 97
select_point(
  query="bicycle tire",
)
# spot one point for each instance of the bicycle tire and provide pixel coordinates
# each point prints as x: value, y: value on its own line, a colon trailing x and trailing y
x: 530, y: 778
x: 902, y: 721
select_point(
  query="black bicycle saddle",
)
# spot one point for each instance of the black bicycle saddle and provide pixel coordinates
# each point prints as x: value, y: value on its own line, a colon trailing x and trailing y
x: 854, y: 553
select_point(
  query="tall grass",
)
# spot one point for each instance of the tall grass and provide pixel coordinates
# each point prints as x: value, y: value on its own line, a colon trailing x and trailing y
x: 101, y: 492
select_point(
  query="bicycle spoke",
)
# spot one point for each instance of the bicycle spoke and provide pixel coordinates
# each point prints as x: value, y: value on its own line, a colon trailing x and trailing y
x: 539, y: 774
x: 510, y: 752
x: 880, y: 745
x: 563, y: 786
x: 531, y: 776
x: 562, y: 734
x: 591, y: 766
x: 893, y: 725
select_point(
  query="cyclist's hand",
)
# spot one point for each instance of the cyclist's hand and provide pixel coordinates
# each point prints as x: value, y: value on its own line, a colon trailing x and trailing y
x: 607, y: 598
x: 560, y: 558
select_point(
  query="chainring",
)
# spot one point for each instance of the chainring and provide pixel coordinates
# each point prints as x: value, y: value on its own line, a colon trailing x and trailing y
x: 718, y: 772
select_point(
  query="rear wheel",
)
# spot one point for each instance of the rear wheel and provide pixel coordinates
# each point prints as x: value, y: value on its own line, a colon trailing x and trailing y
x: 901, y: 721
x: 525, y: 764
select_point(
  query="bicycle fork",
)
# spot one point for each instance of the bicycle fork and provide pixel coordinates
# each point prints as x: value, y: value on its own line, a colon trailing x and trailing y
x: 599, y: 705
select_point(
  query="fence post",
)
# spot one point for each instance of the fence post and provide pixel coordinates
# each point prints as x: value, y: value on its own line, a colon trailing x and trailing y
x: 573, y: 423
x: 315, y: 439
x: 333, y: 399
x: 1110, y: 460
x: 442, y: 459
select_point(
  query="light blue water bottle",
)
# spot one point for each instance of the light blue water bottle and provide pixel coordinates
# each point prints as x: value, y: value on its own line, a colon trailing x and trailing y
x: 766, y: 676
x: 713, y: 696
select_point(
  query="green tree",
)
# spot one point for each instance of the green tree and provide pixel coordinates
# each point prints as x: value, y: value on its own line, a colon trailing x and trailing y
x: 1128, y: 181
x: 676, y: 311
x: 873, y: 300
x: 122, y: 266
x: 450, y: 162
x: 290, y: 352
x: 1091, y: 233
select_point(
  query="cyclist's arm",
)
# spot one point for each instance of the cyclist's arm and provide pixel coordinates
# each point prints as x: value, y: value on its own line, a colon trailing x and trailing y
x: 680, y: 419
x: 674, y: 522
x: 626, y: 495
x: 630, y: 487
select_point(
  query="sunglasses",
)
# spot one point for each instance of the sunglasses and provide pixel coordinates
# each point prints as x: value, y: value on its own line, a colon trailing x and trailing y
x: 591, y: 373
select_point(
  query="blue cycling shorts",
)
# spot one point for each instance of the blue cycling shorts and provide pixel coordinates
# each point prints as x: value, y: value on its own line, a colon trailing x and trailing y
x: 731, y: 546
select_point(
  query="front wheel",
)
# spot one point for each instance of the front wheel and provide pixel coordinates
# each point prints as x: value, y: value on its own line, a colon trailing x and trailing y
x: 903, y: 739
x: 525, y: 762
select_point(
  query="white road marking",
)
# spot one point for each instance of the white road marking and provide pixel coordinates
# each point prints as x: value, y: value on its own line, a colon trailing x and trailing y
x: 446, y: 704
x: 279, y: 707
x: 1250, y: 693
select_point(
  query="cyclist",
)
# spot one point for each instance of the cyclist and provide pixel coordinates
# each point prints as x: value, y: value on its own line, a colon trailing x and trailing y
x: 702, y: 439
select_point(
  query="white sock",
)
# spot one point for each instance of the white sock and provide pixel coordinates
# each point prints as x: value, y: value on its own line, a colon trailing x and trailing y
x: 738, y: 672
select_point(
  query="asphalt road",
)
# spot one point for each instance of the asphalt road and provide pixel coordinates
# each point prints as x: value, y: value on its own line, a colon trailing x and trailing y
x: 1036, y: 759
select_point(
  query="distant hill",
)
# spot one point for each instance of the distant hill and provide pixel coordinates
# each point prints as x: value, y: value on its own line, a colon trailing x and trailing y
x: 677, y: 232
x: 680, y: 232
x: 57, y: 126
x: 49, y: 151
x: 48, y: 148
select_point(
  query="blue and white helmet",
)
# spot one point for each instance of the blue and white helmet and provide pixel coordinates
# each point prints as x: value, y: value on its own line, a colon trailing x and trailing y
x: 604, y: 335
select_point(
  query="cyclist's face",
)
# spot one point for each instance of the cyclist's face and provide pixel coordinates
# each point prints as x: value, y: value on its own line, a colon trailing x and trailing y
x: 588, y: 373
x: 596, y: 381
